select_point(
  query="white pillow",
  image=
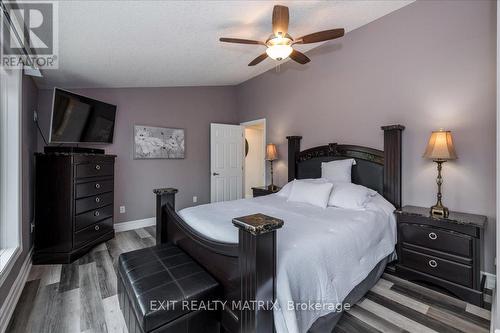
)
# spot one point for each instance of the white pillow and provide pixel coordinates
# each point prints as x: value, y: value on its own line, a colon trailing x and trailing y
x: 287, y: 189
x: 316, y: 194
x: 350, y: 196
x: 338, y: 170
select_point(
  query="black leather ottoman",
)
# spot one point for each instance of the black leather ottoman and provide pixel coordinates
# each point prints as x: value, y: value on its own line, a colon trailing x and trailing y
x: 156, y: 287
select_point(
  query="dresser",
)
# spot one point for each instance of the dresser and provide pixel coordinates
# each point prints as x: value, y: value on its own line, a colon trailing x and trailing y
x: 442, y: 252
x: 73, y: 205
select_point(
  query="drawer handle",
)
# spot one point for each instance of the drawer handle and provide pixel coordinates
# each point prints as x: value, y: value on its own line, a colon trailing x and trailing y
x: 97, y: 185
x: 97, y: 167
x: 433, y: 236
x: 97, y: 199
x: 96, y: 227
x: 96, y: 213
x: 433, y: 263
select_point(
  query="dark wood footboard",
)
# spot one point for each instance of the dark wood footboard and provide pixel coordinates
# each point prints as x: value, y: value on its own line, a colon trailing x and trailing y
x: 245, y: 270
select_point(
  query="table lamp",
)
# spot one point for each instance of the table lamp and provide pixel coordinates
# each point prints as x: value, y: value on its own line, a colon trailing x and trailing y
x: 271, y: 155
x: 440, y: 149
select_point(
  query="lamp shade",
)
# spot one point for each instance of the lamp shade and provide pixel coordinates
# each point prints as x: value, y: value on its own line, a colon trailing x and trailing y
x: 271, y: 152
x: 440, y: 146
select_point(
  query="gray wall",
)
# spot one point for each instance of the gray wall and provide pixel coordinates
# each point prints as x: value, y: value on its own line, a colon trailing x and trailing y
x: 29, y: 101
x: 420, y: 66
x: 428, y: 65
x: 191, y: 108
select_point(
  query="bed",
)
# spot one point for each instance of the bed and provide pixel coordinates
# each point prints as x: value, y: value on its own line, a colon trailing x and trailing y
x: 327, y: 255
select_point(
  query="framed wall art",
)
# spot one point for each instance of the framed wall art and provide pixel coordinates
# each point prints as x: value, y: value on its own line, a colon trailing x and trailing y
x: 158, y: 142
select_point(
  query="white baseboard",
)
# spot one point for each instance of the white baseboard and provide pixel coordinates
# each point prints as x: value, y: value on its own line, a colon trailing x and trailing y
x: 136, y: 224
x: 490, y: 280
x: 12, y: 298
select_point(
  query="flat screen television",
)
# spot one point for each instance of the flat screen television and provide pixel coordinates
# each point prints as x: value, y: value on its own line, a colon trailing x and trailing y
x: 79, y: 119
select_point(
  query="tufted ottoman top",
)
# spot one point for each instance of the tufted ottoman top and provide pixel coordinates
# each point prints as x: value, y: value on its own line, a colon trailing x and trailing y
x: 158, y: 281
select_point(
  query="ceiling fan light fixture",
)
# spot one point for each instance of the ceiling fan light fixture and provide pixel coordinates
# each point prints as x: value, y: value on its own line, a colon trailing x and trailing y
x: 279, y: 48
x: 280, y: 43
x: 279, y: 52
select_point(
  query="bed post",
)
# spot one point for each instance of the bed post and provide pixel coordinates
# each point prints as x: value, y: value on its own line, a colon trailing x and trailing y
x: 392, y: 163
x: 293, y: 151
x: 164, y: 196
x: 257, y: 265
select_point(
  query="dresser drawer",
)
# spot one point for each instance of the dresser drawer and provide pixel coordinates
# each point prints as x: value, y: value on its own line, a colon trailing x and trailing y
x: 445, y: 269
x: 436, y: 239
x: 91, y: 217
x: 93, y: 232
x: 86, y: 204
x: 93, y: 158
x: 94, y: 169
x: 93, y: 188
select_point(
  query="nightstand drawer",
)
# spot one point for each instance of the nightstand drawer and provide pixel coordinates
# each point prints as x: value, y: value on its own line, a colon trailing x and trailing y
x: 263, y: 190
x: 436, y: 239
x: 445, y: 269
x: 259, y: 193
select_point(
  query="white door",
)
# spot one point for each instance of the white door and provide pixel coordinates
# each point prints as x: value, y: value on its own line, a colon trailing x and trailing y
x: 226, y: 162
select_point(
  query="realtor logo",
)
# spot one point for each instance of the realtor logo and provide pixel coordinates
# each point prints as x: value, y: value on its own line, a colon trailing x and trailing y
x: 29, y: 35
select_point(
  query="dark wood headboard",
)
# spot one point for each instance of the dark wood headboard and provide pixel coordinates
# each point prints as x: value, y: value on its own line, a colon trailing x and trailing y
x: 379, y: 170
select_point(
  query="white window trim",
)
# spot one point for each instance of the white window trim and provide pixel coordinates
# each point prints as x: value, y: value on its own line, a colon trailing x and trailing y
x: 10, y: 171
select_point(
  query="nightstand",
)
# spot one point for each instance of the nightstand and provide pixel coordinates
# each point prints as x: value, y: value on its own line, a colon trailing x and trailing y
x: 263, y: 190
x: 444, y: 252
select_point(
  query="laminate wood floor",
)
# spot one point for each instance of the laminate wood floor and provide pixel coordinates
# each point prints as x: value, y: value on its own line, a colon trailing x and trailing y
x: 81, y: 297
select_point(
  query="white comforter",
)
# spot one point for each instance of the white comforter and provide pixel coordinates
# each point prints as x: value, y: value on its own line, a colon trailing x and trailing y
x: 322, y: 253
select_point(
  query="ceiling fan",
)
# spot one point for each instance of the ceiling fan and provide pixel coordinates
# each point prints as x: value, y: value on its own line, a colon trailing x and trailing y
x: 280, y: 43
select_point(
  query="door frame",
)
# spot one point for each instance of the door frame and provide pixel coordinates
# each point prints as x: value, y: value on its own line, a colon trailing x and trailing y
x: 264, y: 143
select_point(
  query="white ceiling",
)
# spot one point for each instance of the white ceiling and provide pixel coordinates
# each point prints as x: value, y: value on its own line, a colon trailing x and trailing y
x: 175, y: 43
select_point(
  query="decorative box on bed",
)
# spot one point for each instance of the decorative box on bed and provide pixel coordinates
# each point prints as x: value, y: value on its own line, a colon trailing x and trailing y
x: 235, y: 266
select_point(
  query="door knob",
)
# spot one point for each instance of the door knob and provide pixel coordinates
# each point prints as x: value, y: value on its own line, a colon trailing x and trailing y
x: 215, y: 174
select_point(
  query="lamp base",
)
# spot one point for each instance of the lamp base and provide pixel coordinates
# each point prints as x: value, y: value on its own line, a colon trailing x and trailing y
x: 272, y: 188
x: 439, y: 210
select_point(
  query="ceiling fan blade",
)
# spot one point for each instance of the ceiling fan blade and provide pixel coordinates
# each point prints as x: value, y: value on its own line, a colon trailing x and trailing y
x: 280, y: 20
x: 258, y: 60
x: 299, y: 57
x: 240, y: 41
x: 320, y: 36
